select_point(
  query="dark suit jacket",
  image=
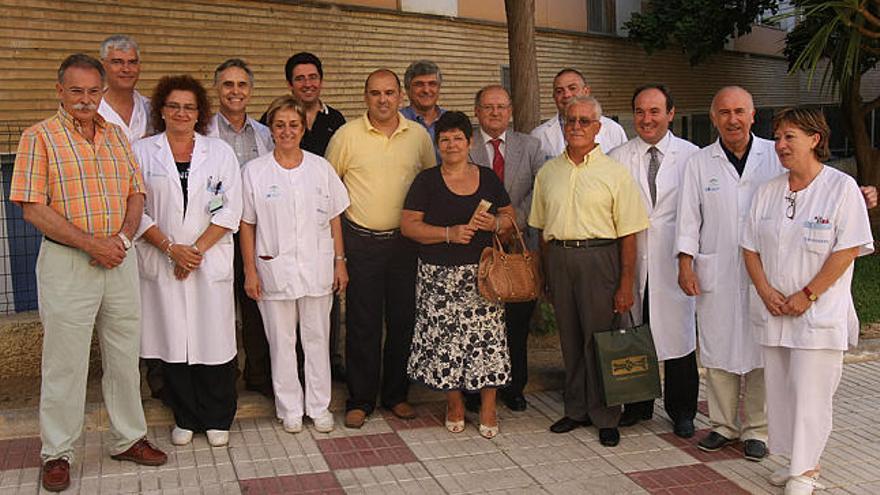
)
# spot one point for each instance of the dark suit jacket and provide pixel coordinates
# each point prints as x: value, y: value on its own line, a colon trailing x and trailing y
x: 522, y: 159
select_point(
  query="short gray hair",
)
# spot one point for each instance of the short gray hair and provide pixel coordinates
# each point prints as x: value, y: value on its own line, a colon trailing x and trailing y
x: 597, y: 107
x: 421, y: 68
x: 82, y: 61
x: 233, y: 62
x: 119, y: 42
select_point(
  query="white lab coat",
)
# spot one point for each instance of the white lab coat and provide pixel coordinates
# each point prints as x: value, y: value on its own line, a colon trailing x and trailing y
x: 292, y: 210
x: 672, y: 311
x: 190, y: 321
x: 138, y: 126
x: 829, y: 216
x: 712, y: 213
x: 263, y: 134
x: 611, y: 135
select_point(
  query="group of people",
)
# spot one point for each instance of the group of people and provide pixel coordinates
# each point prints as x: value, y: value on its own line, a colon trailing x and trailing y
x: 281, y: 216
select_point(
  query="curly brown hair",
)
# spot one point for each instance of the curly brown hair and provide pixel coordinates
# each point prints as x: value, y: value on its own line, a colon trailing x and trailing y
x: 180, y: 83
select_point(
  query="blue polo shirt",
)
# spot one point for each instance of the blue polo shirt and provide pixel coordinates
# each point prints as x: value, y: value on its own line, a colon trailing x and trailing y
x: 410, y: 113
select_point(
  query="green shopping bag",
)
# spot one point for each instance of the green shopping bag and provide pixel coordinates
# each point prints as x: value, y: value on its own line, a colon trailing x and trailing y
x: 627, y: 364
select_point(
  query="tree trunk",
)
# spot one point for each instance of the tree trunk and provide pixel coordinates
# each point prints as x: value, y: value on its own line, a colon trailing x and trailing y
x: 525, y: 90
x: 867, y: 158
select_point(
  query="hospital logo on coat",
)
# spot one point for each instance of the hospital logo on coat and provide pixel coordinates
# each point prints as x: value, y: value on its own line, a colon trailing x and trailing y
x: 714, y: 185
x: 629, y: 365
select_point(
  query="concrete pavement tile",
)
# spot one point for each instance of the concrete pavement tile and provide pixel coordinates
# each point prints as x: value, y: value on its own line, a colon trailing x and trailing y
x: 600, y: 485
x: 149, y: 481
x: 428, y: 486
x: 207, y: 475
x: 648, y: 460
x: 231, y: 488
x: 751, y: 476
x: 245, y: 470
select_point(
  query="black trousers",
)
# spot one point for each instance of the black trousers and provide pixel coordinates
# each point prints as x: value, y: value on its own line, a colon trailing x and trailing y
x: 202, y: 397
x: 681, y: 384
x: 382, y: 286
x: 516, y: 320
x: 257, y: 365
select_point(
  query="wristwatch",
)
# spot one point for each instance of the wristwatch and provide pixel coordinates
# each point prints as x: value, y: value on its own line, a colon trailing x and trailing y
x: 812, y: 297
x: 125, y: 242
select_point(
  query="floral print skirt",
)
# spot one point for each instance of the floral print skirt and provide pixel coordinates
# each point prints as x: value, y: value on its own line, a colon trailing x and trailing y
x: 459, y: 342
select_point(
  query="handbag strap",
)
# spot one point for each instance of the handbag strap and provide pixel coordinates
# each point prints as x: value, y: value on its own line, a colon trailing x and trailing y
x: 615, y: 323
x: 516, y: 232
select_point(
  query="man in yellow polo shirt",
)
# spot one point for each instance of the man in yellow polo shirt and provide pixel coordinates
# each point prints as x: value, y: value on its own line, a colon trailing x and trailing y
x: 377, y: 157
x: 588, y: 209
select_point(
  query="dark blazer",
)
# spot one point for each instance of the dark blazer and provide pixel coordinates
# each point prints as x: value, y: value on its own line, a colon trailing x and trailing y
x: 522, y: 159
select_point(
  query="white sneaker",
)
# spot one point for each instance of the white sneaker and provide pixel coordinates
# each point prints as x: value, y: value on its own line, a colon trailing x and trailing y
x: 294, y: 426
x: 780, y: 476
x: 324, y: 422
x: 180, y: 436
x: 802, y: 485
x: 217, y: 438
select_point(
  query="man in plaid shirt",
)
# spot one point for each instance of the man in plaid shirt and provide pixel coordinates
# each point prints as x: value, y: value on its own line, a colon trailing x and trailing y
x: 77, y: 181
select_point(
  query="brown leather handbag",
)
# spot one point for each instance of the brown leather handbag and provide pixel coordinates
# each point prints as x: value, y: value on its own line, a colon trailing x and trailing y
x: 509, y: 276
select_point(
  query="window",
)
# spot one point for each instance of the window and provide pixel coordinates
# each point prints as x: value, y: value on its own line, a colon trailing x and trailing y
x: 600, y: 16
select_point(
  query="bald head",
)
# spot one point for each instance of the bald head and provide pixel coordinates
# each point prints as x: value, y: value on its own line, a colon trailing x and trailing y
x: 732, y: 114
x: 732, y: 92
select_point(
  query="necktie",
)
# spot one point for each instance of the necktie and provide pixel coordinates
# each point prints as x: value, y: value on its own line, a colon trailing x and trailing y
x: 498, y: 159
x: 653, y: 168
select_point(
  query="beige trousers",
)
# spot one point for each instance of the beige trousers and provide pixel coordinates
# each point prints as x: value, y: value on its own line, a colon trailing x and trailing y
x: 76, y: 298
x: 723, y: 390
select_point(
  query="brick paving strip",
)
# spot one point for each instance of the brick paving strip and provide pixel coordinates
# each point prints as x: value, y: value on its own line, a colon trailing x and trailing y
x: 390, y: 455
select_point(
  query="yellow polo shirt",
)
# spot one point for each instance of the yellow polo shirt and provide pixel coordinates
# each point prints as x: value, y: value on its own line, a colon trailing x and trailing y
x: 596, y: 198
x: 377, y: 170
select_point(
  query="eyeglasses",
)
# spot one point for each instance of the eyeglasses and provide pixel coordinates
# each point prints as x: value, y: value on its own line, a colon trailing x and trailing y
x: 176, y: 107
x: 494, y: 108
x: 583, y: 121
x: 790, y: 209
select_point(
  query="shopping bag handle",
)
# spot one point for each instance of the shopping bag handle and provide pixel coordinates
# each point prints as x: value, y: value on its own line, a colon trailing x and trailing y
x: 616, y: 324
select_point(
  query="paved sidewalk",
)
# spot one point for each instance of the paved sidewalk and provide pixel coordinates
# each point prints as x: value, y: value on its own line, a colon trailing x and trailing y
x: 392, y: 456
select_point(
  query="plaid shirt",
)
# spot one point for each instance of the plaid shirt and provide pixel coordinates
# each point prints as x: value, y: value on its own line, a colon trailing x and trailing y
x: 88, y: 184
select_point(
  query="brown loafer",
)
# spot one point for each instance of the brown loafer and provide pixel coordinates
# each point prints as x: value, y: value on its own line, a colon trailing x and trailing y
x: 142, y: 452
x: 403, y: 410
x: 355, y: 418
x: 56, y: 475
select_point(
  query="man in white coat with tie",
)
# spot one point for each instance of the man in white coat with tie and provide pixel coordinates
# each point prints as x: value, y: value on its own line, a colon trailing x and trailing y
x: 516, y: 158
x: 716, y: 194
x: 570, y: 83
x: 656, y: 160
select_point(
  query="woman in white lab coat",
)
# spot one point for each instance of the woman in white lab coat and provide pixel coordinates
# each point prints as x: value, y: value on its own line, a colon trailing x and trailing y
x: 293, y: 256
x: 185, y: 252
x: 804, y: 231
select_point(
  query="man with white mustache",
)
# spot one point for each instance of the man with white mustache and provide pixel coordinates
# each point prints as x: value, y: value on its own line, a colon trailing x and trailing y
x: 234, y: 83
x: 77, y: 182
x: 122, y: 104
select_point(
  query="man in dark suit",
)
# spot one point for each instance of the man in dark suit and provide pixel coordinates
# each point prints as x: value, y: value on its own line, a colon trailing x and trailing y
x: 516, y: 158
